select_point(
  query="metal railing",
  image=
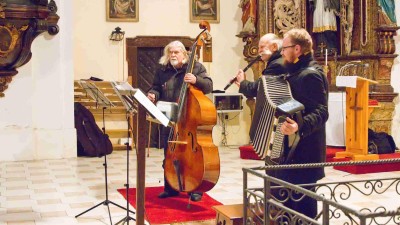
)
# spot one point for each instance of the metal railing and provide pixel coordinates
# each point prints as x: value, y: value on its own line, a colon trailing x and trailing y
x: 335, y: 199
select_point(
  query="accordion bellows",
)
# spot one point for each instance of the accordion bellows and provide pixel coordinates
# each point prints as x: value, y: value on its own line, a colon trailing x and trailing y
x: 265, y: 133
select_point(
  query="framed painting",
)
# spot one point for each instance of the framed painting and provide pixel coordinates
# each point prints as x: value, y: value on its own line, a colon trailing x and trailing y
x: 122, y: 10
x: 204, y: 10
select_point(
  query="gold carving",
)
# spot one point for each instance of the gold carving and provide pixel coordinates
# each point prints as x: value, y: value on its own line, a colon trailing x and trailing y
x: 9, y: 38
x: 287, y: 15
x: 4, y: 81
x: 346, y: 20
x: 387, y: 63
x: 2, y: 13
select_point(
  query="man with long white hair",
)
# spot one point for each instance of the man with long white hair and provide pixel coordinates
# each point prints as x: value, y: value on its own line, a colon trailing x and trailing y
x: 166, y: 86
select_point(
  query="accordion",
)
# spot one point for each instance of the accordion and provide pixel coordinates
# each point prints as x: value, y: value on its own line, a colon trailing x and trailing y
x: 274, y: 103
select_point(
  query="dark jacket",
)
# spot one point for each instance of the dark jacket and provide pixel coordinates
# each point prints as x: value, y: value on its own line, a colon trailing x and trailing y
x: 274, y: 67
x: 309, y: 85
x: 168, y: 81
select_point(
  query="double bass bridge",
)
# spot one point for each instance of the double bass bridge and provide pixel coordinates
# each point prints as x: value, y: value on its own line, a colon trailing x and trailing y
x: 178, y: 142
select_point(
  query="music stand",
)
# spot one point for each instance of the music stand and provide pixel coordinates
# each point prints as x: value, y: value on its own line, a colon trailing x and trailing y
x: 101, y: 100
x: 94, y: 92
x: 136, y: 102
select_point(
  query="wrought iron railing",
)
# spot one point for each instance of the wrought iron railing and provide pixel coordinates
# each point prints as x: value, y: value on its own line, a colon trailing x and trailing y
x: 335, y: 199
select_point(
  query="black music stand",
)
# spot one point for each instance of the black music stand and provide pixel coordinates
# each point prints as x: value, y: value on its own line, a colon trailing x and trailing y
x: 135, y: 102
x: 101, y: 100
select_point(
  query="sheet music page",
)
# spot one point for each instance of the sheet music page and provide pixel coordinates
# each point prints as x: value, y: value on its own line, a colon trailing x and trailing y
x: 126, y: 91
x: 124, y: 94
x: 125, y: 88
x: 346, y: 81
x: 151, y: 107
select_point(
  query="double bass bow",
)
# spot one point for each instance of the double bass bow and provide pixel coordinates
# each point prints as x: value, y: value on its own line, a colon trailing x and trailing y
x: 192, y: 160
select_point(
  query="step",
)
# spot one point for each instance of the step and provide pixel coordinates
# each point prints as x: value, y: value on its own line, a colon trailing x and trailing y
x: 81, y: 91
x: 110, y: 116
x: 94, y: 104
x: 99, y: 84
x: 117, y: 133
x: 112, y: 98
x: 110, y: 110
x: 121, y: 147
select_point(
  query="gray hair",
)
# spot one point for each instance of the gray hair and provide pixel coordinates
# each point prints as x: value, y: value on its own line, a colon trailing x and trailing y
x: 164, y: 60
x: 272, y: 38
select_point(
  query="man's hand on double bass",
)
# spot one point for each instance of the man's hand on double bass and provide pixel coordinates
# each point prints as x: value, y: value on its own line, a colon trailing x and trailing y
x: 190, y: 78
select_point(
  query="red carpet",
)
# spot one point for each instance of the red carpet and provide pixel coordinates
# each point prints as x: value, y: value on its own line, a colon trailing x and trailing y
x: 174, y: 209
x: 373, y: 168
x: 331, y: 152
x: 247, y: 152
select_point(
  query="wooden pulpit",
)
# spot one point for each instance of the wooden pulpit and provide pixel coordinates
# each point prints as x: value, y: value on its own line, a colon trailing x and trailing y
x: 357, y: 115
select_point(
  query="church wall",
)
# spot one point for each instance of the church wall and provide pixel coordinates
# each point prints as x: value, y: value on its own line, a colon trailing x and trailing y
x: 38, y: 107
x: 95, y: 55
x: 395, y: 81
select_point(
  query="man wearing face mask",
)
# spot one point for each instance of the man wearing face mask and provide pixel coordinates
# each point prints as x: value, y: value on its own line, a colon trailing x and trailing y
x: 167, y: 85
x: 269, y: 49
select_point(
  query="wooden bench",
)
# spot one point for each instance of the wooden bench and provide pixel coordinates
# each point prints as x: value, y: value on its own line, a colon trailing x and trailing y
x: 229, y: 214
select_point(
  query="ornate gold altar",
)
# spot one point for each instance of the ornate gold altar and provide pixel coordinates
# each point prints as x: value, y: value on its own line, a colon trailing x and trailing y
x: 364, y: 33
x: 21, y: 21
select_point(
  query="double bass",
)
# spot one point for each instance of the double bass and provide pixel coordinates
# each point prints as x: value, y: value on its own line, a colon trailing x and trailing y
x: 192, y: 160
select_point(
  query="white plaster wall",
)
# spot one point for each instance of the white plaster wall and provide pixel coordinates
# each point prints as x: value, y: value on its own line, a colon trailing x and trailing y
x: 95, y: 55
x: 396, y: 81
x: 37, y: 112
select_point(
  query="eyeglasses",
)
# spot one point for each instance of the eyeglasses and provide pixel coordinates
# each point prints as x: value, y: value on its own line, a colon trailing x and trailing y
x: 290, y: 46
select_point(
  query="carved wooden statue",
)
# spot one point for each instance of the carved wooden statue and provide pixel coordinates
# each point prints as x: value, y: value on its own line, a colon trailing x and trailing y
x: 21, y: 21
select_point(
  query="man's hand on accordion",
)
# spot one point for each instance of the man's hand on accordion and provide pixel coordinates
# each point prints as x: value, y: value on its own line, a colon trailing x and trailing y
x: 289, y: 127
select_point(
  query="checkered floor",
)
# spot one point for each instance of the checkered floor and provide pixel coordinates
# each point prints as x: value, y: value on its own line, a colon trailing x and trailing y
x: 55, y: 191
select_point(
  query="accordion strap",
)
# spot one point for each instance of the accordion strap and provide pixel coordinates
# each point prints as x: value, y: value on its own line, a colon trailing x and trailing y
x: 299, y: 119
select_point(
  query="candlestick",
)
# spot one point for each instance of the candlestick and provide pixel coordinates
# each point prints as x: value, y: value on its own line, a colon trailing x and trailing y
x: 326, y: 57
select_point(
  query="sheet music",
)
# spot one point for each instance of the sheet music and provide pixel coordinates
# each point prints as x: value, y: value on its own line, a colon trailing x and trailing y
x: 126, y: 91
x: 95, y: 93
x: 346, y: 81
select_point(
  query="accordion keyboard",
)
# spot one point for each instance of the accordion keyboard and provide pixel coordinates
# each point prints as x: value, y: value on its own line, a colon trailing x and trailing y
x: 265, y: 132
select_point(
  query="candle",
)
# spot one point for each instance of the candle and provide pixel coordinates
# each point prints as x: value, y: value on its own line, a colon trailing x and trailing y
x: 326, y: 57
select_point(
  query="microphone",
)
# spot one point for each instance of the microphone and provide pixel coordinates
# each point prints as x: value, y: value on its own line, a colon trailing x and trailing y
x: 355, y: 63
x: 244, y: 70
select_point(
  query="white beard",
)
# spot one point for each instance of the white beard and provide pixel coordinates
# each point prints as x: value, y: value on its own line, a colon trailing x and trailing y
x: 174, y: 62
x: 266, y: 52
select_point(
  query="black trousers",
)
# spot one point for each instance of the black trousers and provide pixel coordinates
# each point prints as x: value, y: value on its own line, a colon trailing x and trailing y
x: 307, y: 206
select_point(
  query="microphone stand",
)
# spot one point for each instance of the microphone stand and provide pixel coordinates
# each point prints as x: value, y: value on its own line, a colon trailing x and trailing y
x: 351, y: 64
x: 131, y: 111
